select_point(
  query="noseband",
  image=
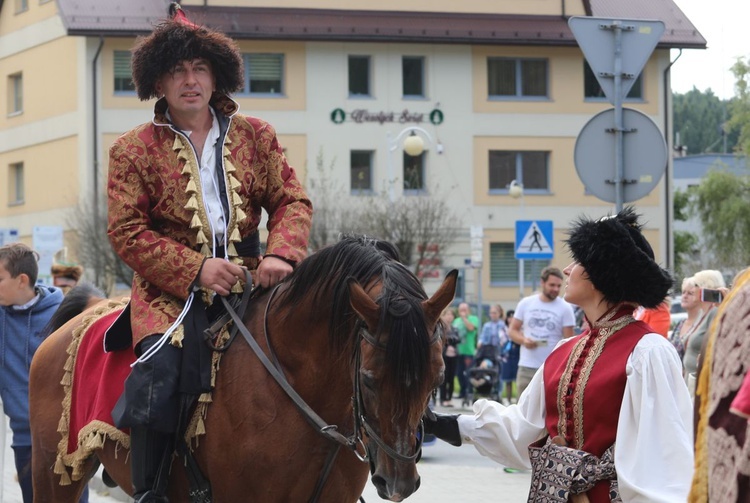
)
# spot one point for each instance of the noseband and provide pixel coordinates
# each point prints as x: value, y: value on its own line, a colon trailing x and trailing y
x: 360, y: 415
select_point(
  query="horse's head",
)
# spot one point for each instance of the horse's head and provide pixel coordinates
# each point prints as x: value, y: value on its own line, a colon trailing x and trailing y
x: 400, y: 364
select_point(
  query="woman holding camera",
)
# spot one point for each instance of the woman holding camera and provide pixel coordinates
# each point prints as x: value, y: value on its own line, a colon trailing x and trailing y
x: 708, y: 279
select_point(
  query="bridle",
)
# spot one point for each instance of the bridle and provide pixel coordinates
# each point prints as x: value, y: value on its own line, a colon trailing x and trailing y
x: 355, y: 441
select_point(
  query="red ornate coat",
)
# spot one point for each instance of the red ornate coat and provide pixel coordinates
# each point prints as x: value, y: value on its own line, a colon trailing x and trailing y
x: 157, y: 220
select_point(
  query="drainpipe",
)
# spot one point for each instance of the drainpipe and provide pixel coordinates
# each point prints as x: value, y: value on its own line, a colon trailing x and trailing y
x: 95, y: 144
x: 667, y: 178
x: 562, y: 6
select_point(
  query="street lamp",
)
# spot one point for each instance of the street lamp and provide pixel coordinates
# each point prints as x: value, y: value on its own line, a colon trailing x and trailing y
x: 413, y: 145
x: 515, y: 190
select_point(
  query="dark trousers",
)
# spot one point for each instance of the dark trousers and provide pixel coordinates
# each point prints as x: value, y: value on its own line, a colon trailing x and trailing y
x: 463, y: 364
x: 446, y: 389
x: 151, y: 396
x: 22, y: 457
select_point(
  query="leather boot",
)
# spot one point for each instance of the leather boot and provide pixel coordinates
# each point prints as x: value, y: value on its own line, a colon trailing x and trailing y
x: 147, y: 449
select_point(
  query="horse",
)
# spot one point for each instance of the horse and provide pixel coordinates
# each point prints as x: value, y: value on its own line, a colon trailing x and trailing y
x: 357, y: 340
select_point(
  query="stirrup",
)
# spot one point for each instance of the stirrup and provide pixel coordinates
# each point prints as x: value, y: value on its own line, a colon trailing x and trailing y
x: 152, y: 497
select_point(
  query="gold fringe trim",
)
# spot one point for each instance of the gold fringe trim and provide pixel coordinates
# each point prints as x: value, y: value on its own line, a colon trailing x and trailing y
x: 178, y: 336
x: 93, y: 435
x: 197, y: 426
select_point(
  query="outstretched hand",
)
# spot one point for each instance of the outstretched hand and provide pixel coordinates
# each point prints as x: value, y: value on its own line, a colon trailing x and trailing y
x: 443, y: 426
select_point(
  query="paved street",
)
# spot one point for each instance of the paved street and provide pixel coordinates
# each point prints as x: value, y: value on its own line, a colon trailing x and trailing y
x: 457, y: 474
x: 449, y: 474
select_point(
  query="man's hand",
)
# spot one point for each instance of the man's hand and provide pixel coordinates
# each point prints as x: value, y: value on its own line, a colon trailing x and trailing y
x: 444, y: 427
x: 271, y: 270
x: 220, y: 275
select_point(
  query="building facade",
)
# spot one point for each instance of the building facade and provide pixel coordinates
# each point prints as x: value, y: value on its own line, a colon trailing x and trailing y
x: 497, y: 90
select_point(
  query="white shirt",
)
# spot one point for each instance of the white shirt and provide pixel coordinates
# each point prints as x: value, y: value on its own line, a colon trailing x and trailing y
x: 209, y: 181
x: 544, y: 322
x: 654, y: 448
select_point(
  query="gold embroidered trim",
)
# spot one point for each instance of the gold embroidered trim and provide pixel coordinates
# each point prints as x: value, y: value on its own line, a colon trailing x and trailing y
x: 196, y: 204
x: 93, y: 435
x: 606, y: 328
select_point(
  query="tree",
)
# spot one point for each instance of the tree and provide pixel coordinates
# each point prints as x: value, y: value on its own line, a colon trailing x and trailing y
x: 94, y: 250
x: 722, y: 203
x: 422, y: 227
x: 699, y: 119
x: 739, y: 121
x: 685, y: 242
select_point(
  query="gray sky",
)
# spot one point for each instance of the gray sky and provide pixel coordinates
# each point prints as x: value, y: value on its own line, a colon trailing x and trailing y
x: 724, y: 24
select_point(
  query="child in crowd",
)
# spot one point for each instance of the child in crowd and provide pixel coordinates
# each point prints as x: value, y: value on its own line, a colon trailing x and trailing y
x: 25, y: 309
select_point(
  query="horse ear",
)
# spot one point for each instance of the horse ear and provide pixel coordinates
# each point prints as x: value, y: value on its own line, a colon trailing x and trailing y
x: 434, y: 305
x: 365, y: 307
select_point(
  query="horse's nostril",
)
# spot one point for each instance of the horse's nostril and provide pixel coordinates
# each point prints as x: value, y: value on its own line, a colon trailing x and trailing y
x: 416, y: 485
x: 378, y: 482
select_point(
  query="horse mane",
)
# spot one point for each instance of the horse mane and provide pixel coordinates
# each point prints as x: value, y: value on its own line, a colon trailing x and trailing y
x: 73, y: 304
x: 323, y: 278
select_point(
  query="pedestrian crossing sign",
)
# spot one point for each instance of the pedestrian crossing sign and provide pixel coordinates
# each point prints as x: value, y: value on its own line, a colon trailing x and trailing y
x: 534, y: 239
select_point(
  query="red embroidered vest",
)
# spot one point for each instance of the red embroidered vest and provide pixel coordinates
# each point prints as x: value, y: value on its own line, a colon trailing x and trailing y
x: 585, y: 382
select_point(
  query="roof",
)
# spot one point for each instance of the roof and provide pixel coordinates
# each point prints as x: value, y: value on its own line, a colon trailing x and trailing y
x: 696, y: 166
x: 119, y: 18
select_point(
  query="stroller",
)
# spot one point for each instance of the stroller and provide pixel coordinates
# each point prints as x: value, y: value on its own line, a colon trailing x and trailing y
x: 484, y: 375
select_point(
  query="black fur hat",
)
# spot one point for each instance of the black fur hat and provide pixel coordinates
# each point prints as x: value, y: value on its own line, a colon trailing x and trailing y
x: 178, y: 40
x: 618, y: 259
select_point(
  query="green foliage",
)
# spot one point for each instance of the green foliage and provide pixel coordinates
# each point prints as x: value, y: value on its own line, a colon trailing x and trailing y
x: 685, y: 243
x: 739, y: 121
x: 699, y: 119
x: 722, y: 202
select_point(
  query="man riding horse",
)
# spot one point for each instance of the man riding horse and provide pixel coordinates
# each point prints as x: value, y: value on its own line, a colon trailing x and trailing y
x: 185, y: 196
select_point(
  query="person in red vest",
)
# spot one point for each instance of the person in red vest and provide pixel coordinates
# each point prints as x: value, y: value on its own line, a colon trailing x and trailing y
x: 608, y: 415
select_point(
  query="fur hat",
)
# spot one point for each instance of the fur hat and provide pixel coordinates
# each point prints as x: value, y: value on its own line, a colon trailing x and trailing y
x: 618, y: 259
x: 71, y: 271
x: 177, y: 39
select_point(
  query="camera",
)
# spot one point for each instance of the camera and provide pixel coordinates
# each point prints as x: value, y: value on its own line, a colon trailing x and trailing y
x: 709, y: 295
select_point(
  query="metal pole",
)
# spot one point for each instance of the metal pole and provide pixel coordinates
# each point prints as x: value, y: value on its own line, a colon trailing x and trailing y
x: 391, y: 147
x: 479, y: 297
x: 520, y: 278
x: 619, y: 150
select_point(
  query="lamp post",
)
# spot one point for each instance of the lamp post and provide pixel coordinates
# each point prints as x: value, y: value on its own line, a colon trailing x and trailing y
x: 413, y: 145
x: 515, y: 190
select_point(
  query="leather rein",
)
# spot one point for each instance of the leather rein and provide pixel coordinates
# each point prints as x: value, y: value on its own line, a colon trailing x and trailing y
x: 330, y: 432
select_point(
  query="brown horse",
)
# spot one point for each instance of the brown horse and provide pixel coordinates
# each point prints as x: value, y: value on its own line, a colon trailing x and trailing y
x: 357, y: 339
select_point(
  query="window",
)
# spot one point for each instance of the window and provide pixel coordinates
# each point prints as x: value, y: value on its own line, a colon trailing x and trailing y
x: 414, y: 172
x: 592, y: 89
x: 123, y: 73
x: 22, y: 5
x: 15, y: 94
x: 504, y: 266
x: 264, y: 74
x: 529, y: 168
x: 516, y: 78
x: 361, y: 170
x: 15, y: 184
x: 412, y: 70
x: 359, y: 75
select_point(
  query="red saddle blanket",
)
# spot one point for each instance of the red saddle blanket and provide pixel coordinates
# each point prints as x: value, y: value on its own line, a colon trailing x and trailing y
x: 98, y: 379
x: 91, y: 391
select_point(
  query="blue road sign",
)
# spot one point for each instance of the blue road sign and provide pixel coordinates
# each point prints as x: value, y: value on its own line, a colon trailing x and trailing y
x: 534, y: 239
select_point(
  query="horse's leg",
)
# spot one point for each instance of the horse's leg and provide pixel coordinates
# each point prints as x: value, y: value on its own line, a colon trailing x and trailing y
x: 116, y: 460
x: 45, y: 408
